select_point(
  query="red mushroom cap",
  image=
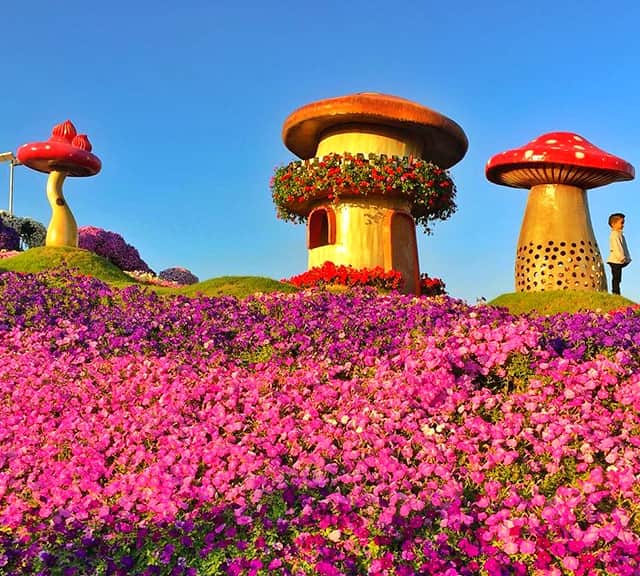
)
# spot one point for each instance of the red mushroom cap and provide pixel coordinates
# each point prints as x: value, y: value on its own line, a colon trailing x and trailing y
x: 444, y: 141
x: 65, y: 151
x: 558, y: 158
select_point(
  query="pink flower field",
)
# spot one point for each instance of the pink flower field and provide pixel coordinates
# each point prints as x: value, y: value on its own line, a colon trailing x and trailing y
x: 312, y: 434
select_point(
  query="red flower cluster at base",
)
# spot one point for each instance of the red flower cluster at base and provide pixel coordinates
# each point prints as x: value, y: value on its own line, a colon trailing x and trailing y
x: 431, y: 286
x: 330, y: 273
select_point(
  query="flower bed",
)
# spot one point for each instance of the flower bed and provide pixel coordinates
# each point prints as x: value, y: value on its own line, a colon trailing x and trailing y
x: 330, y: 273
x: 312, y: 433
x: 113, y: 247
x: 431, y: 286
x: 429, y: 189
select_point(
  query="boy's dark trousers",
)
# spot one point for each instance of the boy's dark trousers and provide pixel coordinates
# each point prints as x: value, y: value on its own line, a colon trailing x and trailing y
x: 616, y: 276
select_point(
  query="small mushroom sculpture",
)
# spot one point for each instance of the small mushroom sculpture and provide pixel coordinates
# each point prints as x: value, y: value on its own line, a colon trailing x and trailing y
x: 66, y: 153
x: 557, y: 249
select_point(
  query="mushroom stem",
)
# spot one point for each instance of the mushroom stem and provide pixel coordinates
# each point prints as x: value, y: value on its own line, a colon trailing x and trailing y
x: 557, y: 247
x: 62, y: 230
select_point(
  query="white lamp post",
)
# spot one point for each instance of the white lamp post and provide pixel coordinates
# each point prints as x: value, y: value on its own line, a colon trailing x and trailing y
x: 9, y: 157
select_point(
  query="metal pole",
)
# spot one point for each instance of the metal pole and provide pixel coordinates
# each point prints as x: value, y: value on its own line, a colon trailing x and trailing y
x: 11, y: 166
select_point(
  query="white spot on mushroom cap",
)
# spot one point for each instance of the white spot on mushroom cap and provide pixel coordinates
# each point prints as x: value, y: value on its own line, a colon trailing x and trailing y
x: 528, y: 153
x: 578, y: 147
x: 551, y: 141
x: 579, y: 155
x: 576, y: 137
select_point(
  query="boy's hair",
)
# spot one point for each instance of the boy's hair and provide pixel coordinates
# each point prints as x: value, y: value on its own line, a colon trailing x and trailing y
x: 615, y: 217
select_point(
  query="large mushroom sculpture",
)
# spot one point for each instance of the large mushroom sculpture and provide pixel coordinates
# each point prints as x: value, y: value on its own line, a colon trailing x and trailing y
x: 368, y: 226
x: 66, y: 153
x: 557, y: 249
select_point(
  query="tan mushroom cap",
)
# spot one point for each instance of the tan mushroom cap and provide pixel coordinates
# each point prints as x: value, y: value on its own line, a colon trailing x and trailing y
x: 444, y: 141
x: 558, y: 158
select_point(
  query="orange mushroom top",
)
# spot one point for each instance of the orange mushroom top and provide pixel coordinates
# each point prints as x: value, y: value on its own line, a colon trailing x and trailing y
x: 65, y: 151
x: 444, y: 142
x: 558, y: 158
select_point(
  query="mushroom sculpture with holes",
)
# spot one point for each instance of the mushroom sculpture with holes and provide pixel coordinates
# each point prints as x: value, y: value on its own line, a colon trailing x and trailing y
x: 557, y: 249
x: 66, y: 153
x: 376, y: 230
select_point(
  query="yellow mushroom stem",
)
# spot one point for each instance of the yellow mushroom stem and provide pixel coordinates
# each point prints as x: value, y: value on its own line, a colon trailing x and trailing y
x: 557, y: 249
x: 62, y: 230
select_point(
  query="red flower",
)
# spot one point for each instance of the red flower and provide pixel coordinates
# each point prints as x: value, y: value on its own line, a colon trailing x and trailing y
x: 338, y: 175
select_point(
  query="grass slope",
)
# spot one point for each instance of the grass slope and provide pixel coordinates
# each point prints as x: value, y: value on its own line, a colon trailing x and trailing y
x: 85, y: 262
x: 239, y: 286
x: 90, y: 264
x: 77, y: 259
x: 556, y: 301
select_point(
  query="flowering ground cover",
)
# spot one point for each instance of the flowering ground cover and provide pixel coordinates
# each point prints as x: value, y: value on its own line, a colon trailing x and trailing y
x: 312, y: 433
x: 332, y: 274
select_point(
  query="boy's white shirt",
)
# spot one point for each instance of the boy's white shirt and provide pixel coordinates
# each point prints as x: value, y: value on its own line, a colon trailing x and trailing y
x: 618, y: 251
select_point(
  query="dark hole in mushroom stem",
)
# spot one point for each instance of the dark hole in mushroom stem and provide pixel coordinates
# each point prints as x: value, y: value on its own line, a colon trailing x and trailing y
x: 59, y: 201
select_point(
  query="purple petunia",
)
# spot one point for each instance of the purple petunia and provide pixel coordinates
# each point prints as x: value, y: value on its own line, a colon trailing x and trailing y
x: 311, y: 433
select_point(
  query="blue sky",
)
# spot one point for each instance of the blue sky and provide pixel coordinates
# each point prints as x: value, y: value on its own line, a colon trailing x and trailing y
x: 184, y: 104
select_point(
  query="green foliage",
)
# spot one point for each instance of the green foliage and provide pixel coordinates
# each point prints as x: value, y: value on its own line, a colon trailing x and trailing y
x: 512, y: 376
x: 565, y: 476
x: 85, y: 262
x: 81, y: 261
x: 257, y: 355
x: 556, y: 301
x: 238, y: 286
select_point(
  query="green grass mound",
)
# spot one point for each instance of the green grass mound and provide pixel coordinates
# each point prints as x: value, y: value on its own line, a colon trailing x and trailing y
x: 555, y: 301
x: 77, y: 259
x: 90, y: 264
x: 239, y: 286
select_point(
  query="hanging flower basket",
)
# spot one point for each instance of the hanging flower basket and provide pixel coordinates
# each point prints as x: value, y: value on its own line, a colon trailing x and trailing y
x: 428, y: 188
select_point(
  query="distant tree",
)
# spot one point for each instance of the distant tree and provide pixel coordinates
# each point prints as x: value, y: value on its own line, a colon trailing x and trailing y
x: 31, y: 233
x: 179, y: 276
x: 9, y: 238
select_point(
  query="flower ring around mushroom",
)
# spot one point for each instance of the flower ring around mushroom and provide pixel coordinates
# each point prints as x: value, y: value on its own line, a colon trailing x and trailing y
x: 429, y: 190
x: 66, y: 153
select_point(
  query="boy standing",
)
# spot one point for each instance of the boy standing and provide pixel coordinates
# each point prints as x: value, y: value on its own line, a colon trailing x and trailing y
x: 618, y: 252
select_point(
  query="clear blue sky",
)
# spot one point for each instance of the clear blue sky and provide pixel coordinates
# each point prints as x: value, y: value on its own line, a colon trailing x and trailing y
x: 184, y: 103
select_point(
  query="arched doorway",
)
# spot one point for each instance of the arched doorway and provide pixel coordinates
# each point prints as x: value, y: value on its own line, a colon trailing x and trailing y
x: 404, y: 250
x: 321, y: 228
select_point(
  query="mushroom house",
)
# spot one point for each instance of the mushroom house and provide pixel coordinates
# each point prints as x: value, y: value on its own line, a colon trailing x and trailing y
x: 65, y: 153
x: 372, y: 166
x: 557, y: 249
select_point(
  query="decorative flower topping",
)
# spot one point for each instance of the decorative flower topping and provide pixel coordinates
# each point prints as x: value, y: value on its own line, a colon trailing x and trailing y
x: 428, y: 188
x: 64, y: 132
x: 82, y: 141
